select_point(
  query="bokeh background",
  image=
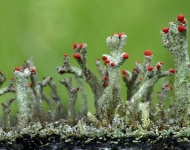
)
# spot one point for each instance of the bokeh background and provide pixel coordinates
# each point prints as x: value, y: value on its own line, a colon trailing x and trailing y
x: 47, y: 29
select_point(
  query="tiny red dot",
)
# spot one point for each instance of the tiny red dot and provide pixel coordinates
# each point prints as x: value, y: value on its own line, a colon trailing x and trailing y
x: 181, y: 28
x: 148, y: 53
x: 165, y: 30
x: 180, y: 17
x: 125, y: 56
x: 75, y: 45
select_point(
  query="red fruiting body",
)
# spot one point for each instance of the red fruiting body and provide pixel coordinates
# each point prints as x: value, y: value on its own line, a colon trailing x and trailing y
x: 104, y: 57
x: 180, y: 17
x: 165, y: 30
x: 120, y: 34
x: 75, y: 45
x: 158, y: 66
x: 33, y: 71
x: 112, y: 64
x: 105, y: 77
x: 105, y: 83
x: 148, y: 53
x: 81, y: 45
x: 17, y: 69
x: 0, y: 72
x: 11, y: 78
x: 124, y: 72
x: 77, y: 56
x: 149, y: 68
x: 172, y: 70
x: 138, y: 61
x: 107, y: 61
x: 181, y: 28
x: 183, y: 21
x: 140, y: 79
x: 65, y: 55
x: 125, y: 56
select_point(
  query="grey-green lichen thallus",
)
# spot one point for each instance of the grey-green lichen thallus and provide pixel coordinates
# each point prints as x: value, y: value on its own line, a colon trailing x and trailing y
x: 115, y: 117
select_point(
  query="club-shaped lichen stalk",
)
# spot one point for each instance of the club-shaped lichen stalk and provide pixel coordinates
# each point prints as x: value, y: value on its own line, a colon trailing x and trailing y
x: 175, y: 41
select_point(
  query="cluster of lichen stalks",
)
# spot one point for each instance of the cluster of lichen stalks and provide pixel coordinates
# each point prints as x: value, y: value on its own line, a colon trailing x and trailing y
x: 136, y: 114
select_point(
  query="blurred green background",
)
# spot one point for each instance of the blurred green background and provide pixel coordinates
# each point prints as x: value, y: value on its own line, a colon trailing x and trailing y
x: 47, y: 29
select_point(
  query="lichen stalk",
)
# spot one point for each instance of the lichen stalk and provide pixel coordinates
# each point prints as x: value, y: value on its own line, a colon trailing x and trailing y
x: 36, y: 89
x: 86, y: 74
x: 145, y: 89
x: 84, y: 109
x: 89, y: 77
x: 175, y: 41
x: 72, y: 99
x: 111, y: 96
x: 7, y: 110
x: 37, y: 93
x: 21, y: 85
x: 57, y: 111
x: 131, y: 83
x: 160, y: 112
x: 9, y: 88
x: 33, y: 105
x: 101, y: 70
x: 149, y: 83
x: 59, y: 106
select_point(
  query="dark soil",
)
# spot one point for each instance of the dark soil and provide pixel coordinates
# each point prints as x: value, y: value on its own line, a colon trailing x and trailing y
x: 54, y: 142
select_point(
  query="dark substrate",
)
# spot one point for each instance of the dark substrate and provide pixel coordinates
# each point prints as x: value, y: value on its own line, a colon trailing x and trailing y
x: 54, y: 142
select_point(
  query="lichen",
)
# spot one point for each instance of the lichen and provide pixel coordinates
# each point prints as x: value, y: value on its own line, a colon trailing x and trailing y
x: 134, y: 117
